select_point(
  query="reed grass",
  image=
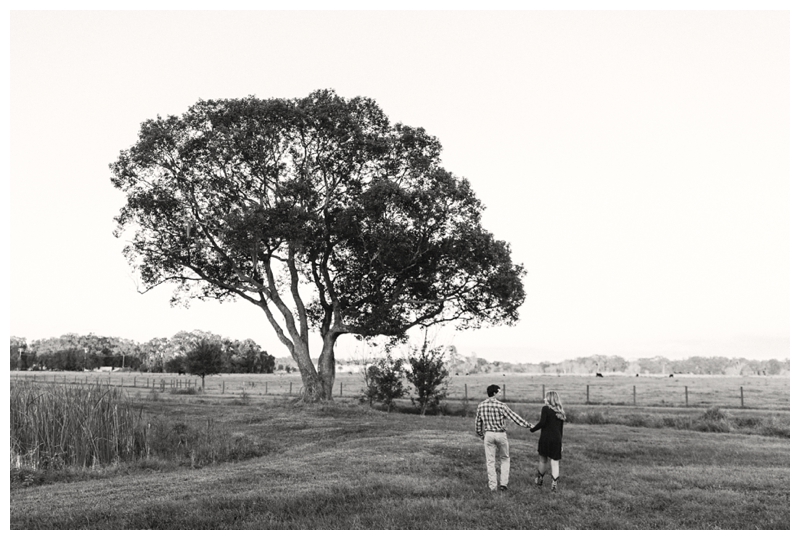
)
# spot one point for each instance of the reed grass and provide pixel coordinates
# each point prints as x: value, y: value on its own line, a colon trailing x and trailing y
x: 58, y: 430
x: 53, y: 426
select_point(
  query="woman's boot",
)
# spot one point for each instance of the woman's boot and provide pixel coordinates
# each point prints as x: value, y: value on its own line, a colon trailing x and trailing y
x: 539, y: 480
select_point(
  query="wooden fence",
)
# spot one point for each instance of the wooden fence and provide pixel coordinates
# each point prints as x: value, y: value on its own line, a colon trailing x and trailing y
x: 605, y: 393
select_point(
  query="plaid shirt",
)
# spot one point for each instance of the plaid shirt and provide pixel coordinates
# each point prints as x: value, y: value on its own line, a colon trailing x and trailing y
x: 491, y: 416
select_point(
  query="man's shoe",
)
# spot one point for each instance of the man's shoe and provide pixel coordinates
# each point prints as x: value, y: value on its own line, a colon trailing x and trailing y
x: 503, y: 488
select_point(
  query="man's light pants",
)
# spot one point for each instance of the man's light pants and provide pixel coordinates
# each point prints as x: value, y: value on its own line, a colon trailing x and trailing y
x: 493, y: 441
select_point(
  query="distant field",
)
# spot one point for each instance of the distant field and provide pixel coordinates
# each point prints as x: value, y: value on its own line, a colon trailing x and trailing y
x: 769, y: 393
x: 345, y: 466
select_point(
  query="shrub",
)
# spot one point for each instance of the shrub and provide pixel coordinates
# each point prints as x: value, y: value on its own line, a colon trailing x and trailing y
x: 714, y: 414
x: 714, y: 420
x: 384, y: 382
x: 428, y: 376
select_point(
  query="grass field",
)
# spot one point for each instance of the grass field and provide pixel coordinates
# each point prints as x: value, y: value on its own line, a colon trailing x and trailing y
x: 344, y: 466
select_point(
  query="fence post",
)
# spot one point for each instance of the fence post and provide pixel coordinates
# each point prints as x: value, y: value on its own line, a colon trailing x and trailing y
x: 587, y: 394
x: 504, y: 392
x: 741, y: 394
x: 542, y: 392
x: 686, y: 390
x: 465, y: 400
x: 223, y: 387
x: 134, y: 382
x: 290, y: 387
x: 634, y: 395
x: 341, y: 388
x: 265, y: 388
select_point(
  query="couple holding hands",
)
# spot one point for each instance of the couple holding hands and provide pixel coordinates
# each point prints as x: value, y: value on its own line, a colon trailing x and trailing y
x: 490, y: 426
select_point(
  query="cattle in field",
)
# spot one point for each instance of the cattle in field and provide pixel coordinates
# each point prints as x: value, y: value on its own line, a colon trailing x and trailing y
x: 671, y: 375
x: 598, y: 374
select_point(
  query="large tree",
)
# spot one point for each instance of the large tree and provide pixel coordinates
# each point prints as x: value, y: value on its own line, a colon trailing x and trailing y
x: 320, y: 212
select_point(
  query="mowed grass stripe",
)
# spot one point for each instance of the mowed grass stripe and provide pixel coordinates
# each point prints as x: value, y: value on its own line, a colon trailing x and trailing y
x: 345, y: 467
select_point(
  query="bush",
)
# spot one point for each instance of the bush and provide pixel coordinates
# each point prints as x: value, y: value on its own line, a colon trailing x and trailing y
x: 714, y: 414
x: 384, y: 382
x: 428, y: 376
x: 714, y: 420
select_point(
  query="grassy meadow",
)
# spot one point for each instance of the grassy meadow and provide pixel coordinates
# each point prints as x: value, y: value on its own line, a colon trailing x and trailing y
x: 248, y: 461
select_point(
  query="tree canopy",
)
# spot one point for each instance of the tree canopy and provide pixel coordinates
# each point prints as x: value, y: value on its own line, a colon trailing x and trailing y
x: 320, y: 212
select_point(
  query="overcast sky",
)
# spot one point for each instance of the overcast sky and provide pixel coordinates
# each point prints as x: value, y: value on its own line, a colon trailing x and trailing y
x: 636, y: 161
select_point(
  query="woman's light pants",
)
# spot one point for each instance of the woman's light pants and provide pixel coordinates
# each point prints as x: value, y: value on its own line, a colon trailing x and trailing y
x: 494, y: 441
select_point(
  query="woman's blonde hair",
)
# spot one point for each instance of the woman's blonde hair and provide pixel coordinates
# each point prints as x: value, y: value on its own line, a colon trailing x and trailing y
x: 552, y: 400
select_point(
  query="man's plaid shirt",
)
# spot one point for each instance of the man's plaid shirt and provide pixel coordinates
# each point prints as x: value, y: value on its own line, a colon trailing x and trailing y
x: 491, y: 416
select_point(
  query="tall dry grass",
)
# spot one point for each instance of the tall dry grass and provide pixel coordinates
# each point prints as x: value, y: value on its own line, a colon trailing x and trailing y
x: 54, y: 425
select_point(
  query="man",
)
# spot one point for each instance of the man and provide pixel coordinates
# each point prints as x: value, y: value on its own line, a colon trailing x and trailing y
x: 490, y: 426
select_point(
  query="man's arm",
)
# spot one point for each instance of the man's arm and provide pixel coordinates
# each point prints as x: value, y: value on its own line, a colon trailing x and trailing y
x: 479, y: 424
x: 541, y: 423
x: 517, y: 418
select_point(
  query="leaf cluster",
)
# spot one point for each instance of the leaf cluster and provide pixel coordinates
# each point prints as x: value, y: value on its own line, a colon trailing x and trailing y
x: 319, y: 211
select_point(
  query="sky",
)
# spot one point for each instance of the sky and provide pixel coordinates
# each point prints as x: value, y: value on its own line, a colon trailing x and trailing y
x: 637, y: 162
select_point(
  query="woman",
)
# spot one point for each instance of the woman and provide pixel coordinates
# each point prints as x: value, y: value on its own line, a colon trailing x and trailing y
x: 552, y: 426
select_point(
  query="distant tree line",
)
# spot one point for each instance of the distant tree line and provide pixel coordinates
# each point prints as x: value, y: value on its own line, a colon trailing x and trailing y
x: 74, y: 352
x: 698, y: 365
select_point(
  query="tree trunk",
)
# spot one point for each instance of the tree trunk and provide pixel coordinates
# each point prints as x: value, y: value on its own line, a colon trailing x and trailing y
x: 327, y: 365
x: 313, y: 388
x: 317, y: 383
